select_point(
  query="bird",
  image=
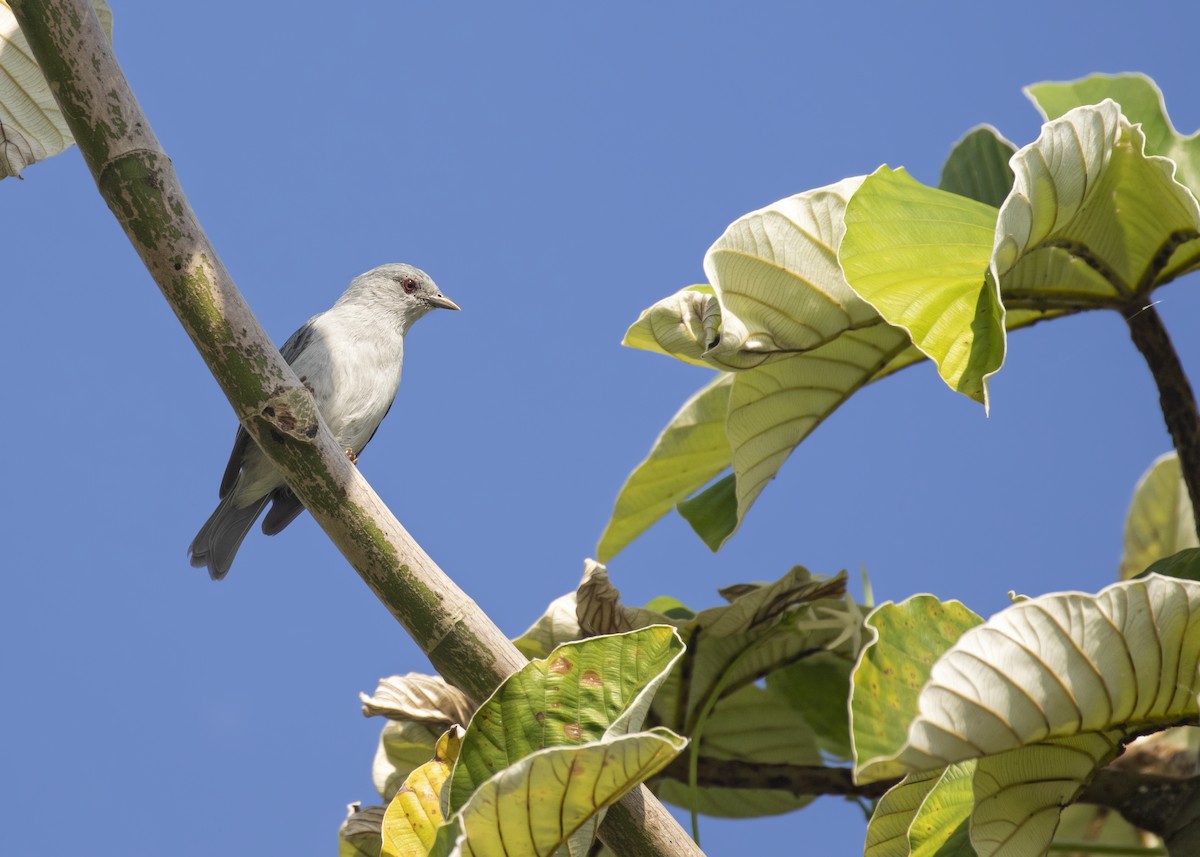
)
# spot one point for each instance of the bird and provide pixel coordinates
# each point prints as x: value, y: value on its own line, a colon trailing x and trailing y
x: 349, y: 357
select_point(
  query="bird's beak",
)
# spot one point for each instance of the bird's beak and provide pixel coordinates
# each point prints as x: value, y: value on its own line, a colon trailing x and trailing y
x: 441, y: 300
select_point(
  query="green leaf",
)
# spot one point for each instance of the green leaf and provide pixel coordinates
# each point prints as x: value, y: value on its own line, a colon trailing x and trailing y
x: 1184, y: 565
x: 713, y: 513
x: 403, y: 747
x: 691, y: 450
x: 1092, y: 221
x: 751, y: 726
x: 919, y: 256
x: 893, y: 667
x: 941, y: 824
x: 818, y: 687
x: 1160, y: 521
x: 359, y: 834
x: 978, y: 167
x: 887, y: 832
x: 32, y: 128
x: 1019, y: 795
x: 682, y: 326
x: 1141, y: 101
x: 559, y: 624
x: 584, y: 691
x: 1059, y: 666
x: 544, y: 800
x: 414, y: 814
x: 776, y: 274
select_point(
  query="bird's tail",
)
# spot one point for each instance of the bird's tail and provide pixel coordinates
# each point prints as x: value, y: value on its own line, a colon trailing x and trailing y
x: 219, y: 539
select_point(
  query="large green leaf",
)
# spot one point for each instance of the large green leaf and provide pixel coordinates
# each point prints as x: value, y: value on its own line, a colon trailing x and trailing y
x: 1140, y: 100
x: 584, y: 691
x: 1019, y: 795
x: 691, y: 450
x: 712, y: 695
x: 1042, y: 695
x: 775, y: 272
x: 1092, y: 220
x: 894, y: 665
x: 32, y: 127
x: 887, y: 832
x: 682, y: 326
x: 543, y: 801
x: 1160, y: 521
x: 1059, y: 666
x: 818, y: 687
x: 919, y: 256
x: 749, y: 726
x: 556, y: 626
x: 978, y: 167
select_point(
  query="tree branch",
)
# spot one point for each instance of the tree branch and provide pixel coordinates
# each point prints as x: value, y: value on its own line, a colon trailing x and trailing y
x: 139, y: 184
x: 799, y: 780
x: 1175, y: 395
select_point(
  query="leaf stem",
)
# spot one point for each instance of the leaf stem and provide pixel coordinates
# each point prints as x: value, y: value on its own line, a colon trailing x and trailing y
x: 1175, y: 395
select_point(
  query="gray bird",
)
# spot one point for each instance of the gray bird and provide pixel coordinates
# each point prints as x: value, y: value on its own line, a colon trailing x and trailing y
x: 349, y: 357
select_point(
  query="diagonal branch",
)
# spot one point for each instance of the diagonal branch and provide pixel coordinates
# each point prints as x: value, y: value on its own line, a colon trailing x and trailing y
x: 136, y: 179
x: 1175, y: 395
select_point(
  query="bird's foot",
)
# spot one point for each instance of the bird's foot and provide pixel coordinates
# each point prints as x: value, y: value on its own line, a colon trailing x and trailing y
x: 353, y: 458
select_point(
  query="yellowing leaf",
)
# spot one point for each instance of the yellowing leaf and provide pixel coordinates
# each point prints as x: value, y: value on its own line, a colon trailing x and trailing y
x: 412, y: 818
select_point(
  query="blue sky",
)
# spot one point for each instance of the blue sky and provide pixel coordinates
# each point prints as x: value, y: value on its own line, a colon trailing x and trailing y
x: 556, y: 168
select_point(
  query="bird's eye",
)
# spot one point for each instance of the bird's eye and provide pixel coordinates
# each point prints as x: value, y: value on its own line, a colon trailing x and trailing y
x: 409, y: 286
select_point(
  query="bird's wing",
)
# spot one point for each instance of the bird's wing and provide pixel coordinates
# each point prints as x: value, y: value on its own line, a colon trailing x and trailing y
x: 291, y: 349
x: 298, y: 341
x: 377, y: 425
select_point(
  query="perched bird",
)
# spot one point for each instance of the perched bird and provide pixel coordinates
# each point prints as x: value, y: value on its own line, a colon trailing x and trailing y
x: 349, y: 357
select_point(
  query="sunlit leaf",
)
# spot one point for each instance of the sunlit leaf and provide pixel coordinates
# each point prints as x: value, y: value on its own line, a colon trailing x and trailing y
x: 543, y: 800
x: 414, y: 696
x: 892, y: 669
x: 559, y: 624
x: 887, y: 832
x: 412, y: 818
x: 1092, y: 221
x: 1020, y: 794
x: 1059, y: 666
x: 32, y: 128
x: 941, y: 824
x: 682, y: 326
x: 582, y: 692
x: 1160, y: 521
x: 978, y: 167
x: 919, y: 255
x: 1140, y: 100
x: 691, y: 450
x: 403, y: 747
x: 776, y: 274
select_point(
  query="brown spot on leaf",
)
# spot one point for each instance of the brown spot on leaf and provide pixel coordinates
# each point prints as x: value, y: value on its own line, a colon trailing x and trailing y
x: 573, y: 731
x: 591, y: 678
x: 539, y: 716
x: 561, y: 665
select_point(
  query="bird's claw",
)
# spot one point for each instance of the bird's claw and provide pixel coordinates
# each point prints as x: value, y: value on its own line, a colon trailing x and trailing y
x: 353, y: 458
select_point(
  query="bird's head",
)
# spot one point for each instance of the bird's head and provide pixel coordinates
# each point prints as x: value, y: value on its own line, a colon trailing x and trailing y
x: 398, y: 288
